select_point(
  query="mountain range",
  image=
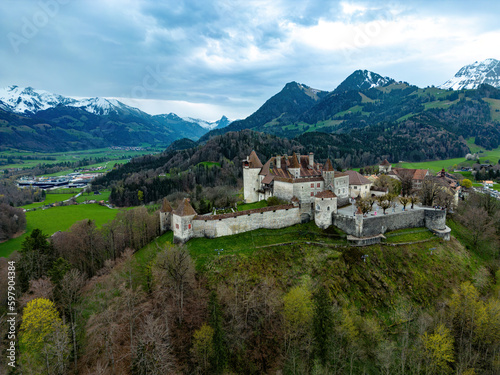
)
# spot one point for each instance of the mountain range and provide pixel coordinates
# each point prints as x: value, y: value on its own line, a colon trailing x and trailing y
x: 38, y: 120
x: 473, y: 75
x: 465, y: 106
x: 365, y: 100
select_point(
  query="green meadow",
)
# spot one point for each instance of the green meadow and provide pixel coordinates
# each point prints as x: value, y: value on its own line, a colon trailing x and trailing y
x: 104, y: 196
x: 49, y: 199
x: 58, y: 219
x: 492, y: 156
x: 114, y: 156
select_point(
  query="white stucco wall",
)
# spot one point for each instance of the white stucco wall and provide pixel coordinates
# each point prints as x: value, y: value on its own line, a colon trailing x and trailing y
x: 279, y: 218
x: 251, y: 183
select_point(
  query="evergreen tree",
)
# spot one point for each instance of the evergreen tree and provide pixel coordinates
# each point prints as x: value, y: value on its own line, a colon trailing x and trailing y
x: 219, y: 359
x: 322, y: 324
x: 37, y: 256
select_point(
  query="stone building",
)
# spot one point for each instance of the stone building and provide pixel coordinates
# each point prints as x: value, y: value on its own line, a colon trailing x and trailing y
x: 448, y: 184
x: 165, y: 216
x: 286, y: 176
x: 359, y: 185
x: 417, y: 176
x: 182, y: 221
x: 314, y: 192
x: 384, y: 167
x: 325, y: 205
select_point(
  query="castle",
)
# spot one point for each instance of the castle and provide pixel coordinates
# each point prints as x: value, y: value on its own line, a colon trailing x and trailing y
x: 314, y: 191
x: 295, y: 176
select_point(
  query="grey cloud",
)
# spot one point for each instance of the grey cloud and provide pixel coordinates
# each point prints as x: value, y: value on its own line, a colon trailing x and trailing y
x: 110, y: 48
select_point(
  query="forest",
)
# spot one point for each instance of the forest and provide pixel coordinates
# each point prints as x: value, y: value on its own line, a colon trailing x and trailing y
x: 121, y: 300
x: 177, y: 171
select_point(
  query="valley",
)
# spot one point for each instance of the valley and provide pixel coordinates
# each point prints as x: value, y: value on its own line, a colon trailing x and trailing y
x: 156, y: 267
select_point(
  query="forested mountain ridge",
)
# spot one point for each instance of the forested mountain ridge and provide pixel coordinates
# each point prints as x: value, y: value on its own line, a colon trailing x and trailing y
x: 465, y: 113
x: 37, y: 120
x: 182, y: 170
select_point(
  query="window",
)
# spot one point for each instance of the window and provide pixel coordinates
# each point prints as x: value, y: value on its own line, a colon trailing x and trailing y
x: 176, y: 226
x: 318, y: 185
x: 312, y: 185
x: 312, y: 194
x: 355, y: 187
x: 189, y: 226
x: 328, y: 208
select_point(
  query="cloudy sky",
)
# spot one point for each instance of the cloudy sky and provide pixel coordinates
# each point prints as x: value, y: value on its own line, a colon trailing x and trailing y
x: 211, y: 58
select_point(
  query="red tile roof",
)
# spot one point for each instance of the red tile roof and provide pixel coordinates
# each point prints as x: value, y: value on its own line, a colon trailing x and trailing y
x: 294, y: 163
x: 283, y: 172
x: 417, y: 174
x: 298, y: 180
x: 254, y: 161
x: 166, y: 207
x: 185, y: 209
x: 356, y: 178
x: 385, y: 162
x: 328, y: 166
x: 340, y: 174
x: 420, y: 174
x: 268, y: 179
x: 326, y: 194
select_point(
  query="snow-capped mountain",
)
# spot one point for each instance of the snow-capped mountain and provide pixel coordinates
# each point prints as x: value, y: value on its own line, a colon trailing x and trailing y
x: 27, y: 100
x: 101, y: 106
x: 362, y: 80
x: 209, y: 125
x: 473, y: 75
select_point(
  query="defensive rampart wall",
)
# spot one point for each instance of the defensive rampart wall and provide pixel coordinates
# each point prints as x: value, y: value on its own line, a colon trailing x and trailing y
x: 212, y: 226
x: 370, y: 226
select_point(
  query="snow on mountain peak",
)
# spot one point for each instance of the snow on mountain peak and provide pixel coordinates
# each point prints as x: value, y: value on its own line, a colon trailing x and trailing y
x: 223, y: 122
x: 473, y: 75
x: 27, y: 100
x: 98, y: 106
x: 362, y: 80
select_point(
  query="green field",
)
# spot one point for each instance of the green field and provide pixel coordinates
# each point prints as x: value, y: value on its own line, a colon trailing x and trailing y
x: 436, y: 165
x: 114, y: 156
x: 492, y: 155
x: 439, y: 104
x: 246, y: 243
x: 408, y: 235
x: 58, y: 219
x: 494, y: 108
x: 49, y: 199
x: 209, y: 164
x: 104, y: 196
x: 252, y: 206
x: 73, y: 191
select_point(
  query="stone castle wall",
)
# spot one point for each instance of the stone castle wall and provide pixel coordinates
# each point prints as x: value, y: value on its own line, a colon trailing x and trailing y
x: 212, y: 226
x: 374, y: 225
x: 275, y: 217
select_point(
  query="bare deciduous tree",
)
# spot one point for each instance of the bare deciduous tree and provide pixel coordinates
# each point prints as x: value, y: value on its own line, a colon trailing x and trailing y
x: 428, y: 193
x: 153, y: 353
x: 176, y: 272
x: 481, y: 227
x: 71, y: 287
